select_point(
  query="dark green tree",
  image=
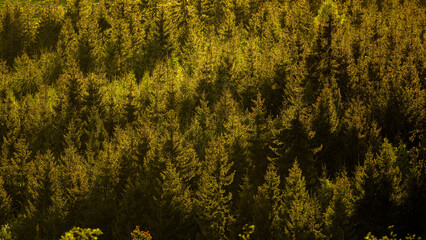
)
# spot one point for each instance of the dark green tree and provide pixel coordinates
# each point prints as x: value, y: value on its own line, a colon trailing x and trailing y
x: 181, y: 14
x: 377, y: 192
x: 339, y: 213
x: 259, y: 140
x: 16, y: 174
x: 321, y: 62
x: 325, y: 124
x: 268, y: 207
x: 16, y: 33
x: 5, y: 203
x: 300, y: 213
x: 213, y: 200
x: 49, y: 27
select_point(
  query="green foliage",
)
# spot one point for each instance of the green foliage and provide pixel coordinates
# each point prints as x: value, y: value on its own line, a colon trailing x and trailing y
x: 268, y: 206
x: 391, y: 236
x: 341, y: 209
x: 194, y: 118
x: 5, y: 232
x: 300, y: 210
x: 77, y: 233
x: 379, y: 186
x: 5, y: 204
x: 247, y: 232
x: 49, y: 27
x: 140, y: 235
x: 16, y: 31
x: 213, y: 200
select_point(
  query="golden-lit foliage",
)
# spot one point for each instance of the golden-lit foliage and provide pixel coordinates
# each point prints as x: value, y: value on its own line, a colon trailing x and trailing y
x: 303, y: 119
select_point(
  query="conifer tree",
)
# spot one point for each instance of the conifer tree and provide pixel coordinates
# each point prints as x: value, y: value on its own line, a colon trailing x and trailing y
x: 39, y: 218
x: 173, y: 204
x: 377, y: 191
x: 154, y: 88
x: 94, y: 133
x: 27, y: 78
x: 67, y: 44
x: 89, y: 43
x: 236, y: 143
x: 292, y: 140
x: 298, y: 19
x: 321, y: 61
x: 5, y: 203
x: 413, y: 207
x: 159, y: 44
x: 74, y: 179
x: 118, y: 49
x: 300, y: 213
x: 16, y: 32
x: 10, y: 123
x: 339, y: 213
x: 266, y: 22
x: 268, y: 207
x: 226, y: 110
x: 104, y: 194
x: 16, y: 176
x: 213, y: 201
x: 103, y: 16
x: 241, y: 9
x: 94, y: 94
x: 76, y: 10
x: 213, y: 11
x: 49, y: 27
x: 325, y: 123
x: 201, y: 131
x: 128, y: 24
x: 180, y: 152
x: 259, y: 140
x: 244, y: 80
x: 73, y: 86
x: 244, y: 203
x: 359, y: 135
x: 181, y: 14
x: 206, y: 74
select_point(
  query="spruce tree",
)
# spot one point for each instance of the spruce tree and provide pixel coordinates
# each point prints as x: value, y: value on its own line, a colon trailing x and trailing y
x: 321, y: 62
x: 74, y: 179
x: 27, y: 77
x: 293, y: 140
x: 213, y: 200
x: 118, y: 49
x: 181, y: 14
x: 325, y: 124
x: 259, y: 140
x: 173, y: 204
x: 89, y: 43
x: 5, y: 203
x: 16, y: 32
x: 300, y: 212
x: 269, y: 207
x: 201, y: 130
x: 339, y: 213
x: 16, y: 176
x: 49, y: 27
x: 377, y: 192
x: 39, y: 219
x: 105, y: 192
x: 213, y: 12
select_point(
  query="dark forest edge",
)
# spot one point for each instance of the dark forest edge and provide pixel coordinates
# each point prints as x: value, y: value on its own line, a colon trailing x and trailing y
x: 77, y: 233
x: 197, y: 118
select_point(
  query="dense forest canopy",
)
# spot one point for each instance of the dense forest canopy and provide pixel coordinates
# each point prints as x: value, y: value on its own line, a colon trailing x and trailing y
x: 199, y: 119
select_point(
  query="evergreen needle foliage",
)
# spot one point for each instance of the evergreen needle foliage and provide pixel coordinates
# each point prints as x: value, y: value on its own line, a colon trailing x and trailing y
x: 212, y: 119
